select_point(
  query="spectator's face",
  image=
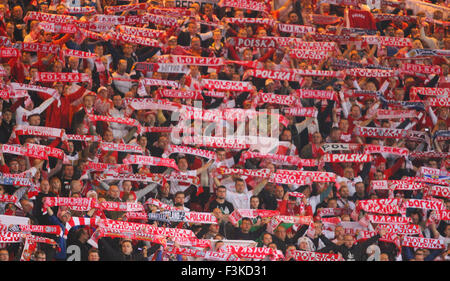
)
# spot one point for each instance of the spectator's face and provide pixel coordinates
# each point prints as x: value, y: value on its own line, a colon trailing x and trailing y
x: 246, y: 225
x: 349, y: 173
x: 343, y: 125
x: 419, y: 256
x: 267, y: 239
x: 89, y: 101
x: 240, y: 186
x: 127, y: 186
x: 317, y: 138
x: 14, y: 166
x: 182, y: 164
x: 108, y: 136
x: 179, y: 199
x: 279, y: 192
x: 344, y: 191
x: 286, y: 136
x: 4, y: 255
x: 221, y: 155
x: 34, y: 120
x: 359, y: 188
x: 192, y: 28
x: 73, y: 62
x: 117, y: 100
x: 17, y: 12
x: 384, y: 257
x: 280, y: 232
x: 93, y: 256
x: 293, y: 17
x: 332, y: 204
x: 114, y: 191
x: 254, y: 203
x: 348, y: 241
x: 221, y: 193
x: 127, y: 248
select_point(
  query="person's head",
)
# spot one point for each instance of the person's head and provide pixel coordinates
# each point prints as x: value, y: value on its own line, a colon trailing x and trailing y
x: 221, y: 154
x: 179, y: 198
x: 34, y: 120
x: 126, y: 186
x: 317, y: 138
x: 332, y: 203
x: 82, y: 235
x: 254, y: 202
x: 239, y: 185
x: 117, y: 100
x: 76, y: 186
x: 221, y: 192
x: 65, y: 216
x: 267, y: 239
x: 17, y: 12
x: 40, y: 255
x: 273, y: 246
x: 384, y: 257
x: 246, y: 225
x: 4, y: 254
x: 27, y: 205
x: 192, y: 28
x: 88, y: 101
x: 360, y: 189
x: 127, y: 49
x: 349, y: 240
x: 122, y: 66
x: 14, y: 165
x: 343, y: 190
x: 280, y: 232
x: 419, y: 255
x: 183, y: 164
x: 293, y: 17
x: 279, y: 191
x: 114, y: 191
x: 93, y: 255
x: 286, y: 135
x: 219, y: 244
x: 45, y: 186
x: 196, y: 43
x: 55, y: 185
x: 126, y: 247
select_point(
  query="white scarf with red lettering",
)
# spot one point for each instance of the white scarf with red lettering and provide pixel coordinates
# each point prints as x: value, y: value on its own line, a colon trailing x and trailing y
x: 347, y: 157
x: 45, y: 17
x: 374, y: 132
x: 150, y: 160
x: 301, y: 111
x: 123, y: 147
x: 371, y: 148
x: 420, y: 242
x: 395, y: 113
x: 312, y: 256
x: 260, y: 6
x: 134, y: 39
x: 308, y: 54
x: 190, y: 150
x: 381, y: 206
x: 430, y: 91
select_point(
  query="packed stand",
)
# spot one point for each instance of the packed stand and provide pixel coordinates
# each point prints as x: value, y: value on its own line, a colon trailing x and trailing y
x: 232, y: 130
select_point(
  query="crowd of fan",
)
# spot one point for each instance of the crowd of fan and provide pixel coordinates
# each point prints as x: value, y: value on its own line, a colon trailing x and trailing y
x: 114, y: 78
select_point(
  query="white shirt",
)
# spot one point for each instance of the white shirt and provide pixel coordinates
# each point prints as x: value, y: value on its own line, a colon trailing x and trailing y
x: 239, y: 200
x: 176, y: 186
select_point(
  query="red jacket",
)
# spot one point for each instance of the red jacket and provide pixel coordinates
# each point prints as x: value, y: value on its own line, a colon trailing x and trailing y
x: 58, y: 117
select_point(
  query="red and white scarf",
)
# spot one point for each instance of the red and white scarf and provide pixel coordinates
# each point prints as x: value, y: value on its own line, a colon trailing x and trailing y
x: 150, y: 160
x: 420, y: 242
x: 312, y: 256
